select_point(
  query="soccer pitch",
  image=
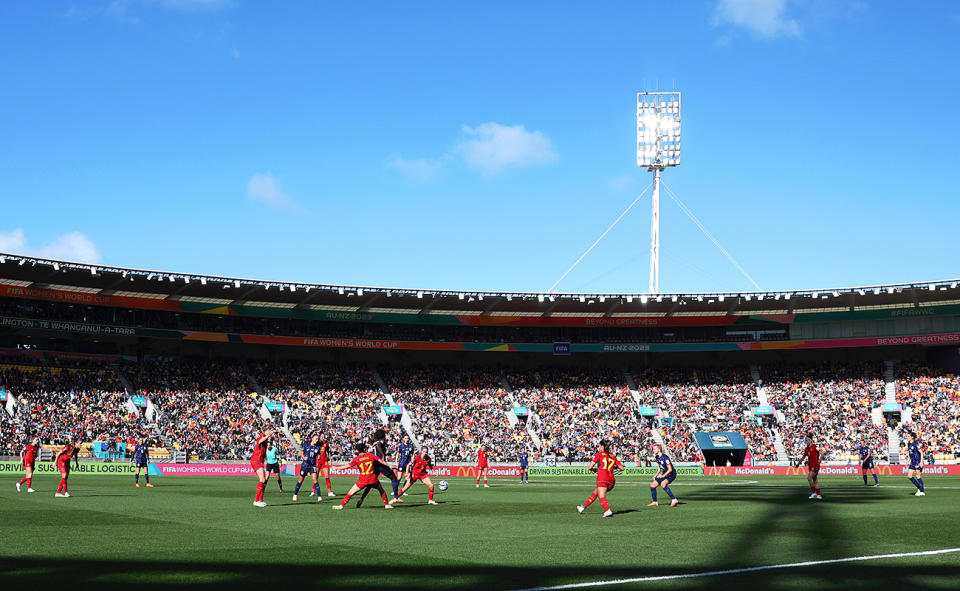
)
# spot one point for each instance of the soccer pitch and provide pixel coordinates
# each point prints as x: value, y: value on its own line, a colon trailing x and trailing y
x: 204, y: 532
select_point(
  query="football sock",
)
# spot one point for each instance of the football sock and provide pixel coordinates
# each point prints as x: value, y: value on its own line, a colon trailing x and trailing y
x: 259, y: 495
x: 920, y: 480
x: 875, y: 479
x: 669, y: 492
x: 345, y: 499
x: 864, y: 478
x: 590, y: 500
x: 915, y: 482
x: 296, y: 489
x: 136, y: 478
x: 316, y: 488
x: 22, y: 480
x: 63, y: 485
x: 604, y: 504
x: 29, y: 482
x: 653, y: 493
x: 430, y: 493
x: 484, y: 479
x: 396, y: 485
x: 478, y: 480
x: 818, y: 490
x: 327, y: 480
x: 383, y: 496
x: 146, y: 477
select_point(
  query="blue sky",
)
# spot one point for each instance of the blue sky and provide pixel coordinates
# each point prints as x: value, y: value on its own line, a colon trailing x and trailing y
x: 485, y: 145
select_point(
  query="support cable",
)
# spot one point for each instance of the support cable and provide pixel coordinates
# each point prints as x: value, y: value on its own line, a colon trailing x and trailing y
x: 597, y: 241
x: 707, y: 233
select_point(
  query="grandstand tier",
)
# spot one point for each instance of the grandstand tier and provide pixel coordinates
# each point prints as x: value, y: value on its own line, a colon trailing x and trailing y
x: 198, y: 364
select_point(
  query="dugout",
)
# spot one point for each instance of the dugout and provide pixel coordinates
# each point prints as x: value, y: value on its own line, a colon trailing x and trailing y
x: 721, y: 448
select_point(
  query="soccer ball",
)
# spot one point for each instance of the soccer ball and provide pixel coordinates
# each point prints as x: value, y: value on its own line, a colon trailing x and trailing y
x: 442, y: 485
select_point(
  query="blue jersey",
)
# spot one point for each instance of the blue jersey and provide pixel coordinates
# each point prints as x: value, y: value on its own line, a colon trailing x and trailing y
x: 141, y: 453
x: 524, y: 458
x: 380, y: 449
x: 404, y: 453
x: 310, y: 452
x: 663, y: 462
x: 865, y: 453
x: 914, y: 449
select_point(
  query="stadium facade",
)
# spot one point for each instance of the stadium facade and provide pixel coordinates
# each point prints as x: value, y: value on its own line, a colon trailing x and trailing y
x: 79, y: 308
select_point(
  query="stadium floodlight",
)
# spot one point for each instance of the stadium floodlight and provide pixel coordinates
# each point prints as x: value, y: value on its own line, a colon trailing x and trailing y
x: 583, y: 299
x: 56, y: 266
x: 236, y: 283
x: 658, y: 147
x: 3, y: 260
x: 933, y: 287
x: 203, y: 281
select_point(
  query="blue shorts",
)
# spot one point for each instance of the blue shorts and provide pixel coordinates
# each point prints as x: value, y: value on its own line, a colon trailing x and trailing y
x: 915, y: 467
x: 868, y: 464
x: 381, y: 470
x: 523, y: 466
x: 669, y: 479
x: 143, y: 464
x: 308, y: 468
x: 403, y: 464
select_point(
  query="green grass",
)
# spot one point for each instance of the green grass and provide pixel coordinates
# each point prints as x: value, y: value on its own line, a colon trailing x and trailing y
x: 204, y: 532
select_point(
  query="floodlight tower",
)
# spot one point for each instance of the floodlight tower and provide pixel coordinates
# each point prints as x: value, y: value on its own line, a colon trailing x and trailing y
x: 658, y: 146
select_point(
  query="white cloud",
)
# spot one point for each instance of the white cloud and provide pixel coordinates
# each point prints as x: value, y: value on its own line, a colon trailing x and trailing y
x: 766, y: 18
x: 491, y: 147
x: 418, y: 169
x: 266, y: 189
x: 73, y: 246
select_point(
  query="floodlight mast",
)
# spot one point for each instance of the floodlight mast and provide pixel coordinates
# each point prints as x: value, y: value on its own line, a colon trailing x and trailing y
x: 658, y: 147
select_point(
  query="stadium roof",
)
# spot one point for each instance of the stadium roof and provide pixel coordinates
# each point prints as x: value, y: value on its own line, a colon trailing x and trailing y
x: 104, y: 280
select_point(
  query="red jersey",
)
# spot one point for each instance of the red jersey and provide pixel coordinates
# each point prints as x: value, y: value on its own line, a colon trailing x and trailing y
x: 322, y: 458
x: 365, y: 463
x: 260, y: 450
x: 421, y: 466
x: 482, y: 459
x: 29, y: 454
x: 606, y: 464
x: 814, y: 456
x: 63, y: 457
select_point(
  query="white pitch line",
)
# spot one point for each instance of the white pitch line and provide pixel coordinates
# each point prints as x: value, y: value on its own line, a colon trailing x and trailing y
x: 740, y: 570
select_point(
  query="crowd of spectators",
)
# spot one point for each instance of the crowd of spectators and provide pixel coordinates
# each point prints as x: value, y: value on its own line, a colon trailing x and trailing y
x: 704, y: 399
x: 834, y: 401
x: 342, y: 402
x: 73, y: 400
x: 578, y: 407
x: 933, y: 397
x: 457, y: 411
x: 211, y: 408
x: 206, y: 407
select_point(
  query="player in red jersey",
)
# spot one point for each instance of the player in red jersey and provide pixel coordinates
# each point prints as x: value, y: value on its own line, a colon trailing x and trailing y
x: 420, y: 466
x: 257, y: 463
x: 482, y: 466
x: 605, y: 464
x: 812, y: 454
x: 28, y: 459
x: 323, y: 464
x: 368, y: 478
x: 70, y: 451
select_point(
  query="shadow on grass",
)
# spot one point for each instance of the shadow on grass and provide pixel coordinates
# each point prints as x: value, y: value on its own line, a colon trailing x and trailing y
x: 30, y: 573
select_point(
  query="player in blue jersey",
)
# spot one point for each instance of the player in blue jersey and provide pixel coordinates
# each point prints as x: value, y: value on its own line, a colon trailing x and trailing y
x: 915, y: 470
x: 866, y: 463
x: 309, y: 466
x: 405, y: 459
x: 666, y: 474
x: 141, y: 459
x: 524, y: 458
x: 273, y: 463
